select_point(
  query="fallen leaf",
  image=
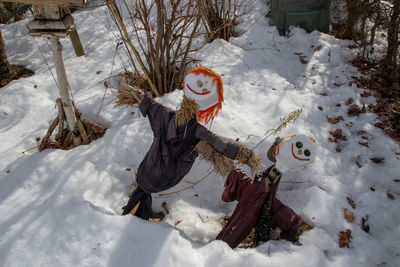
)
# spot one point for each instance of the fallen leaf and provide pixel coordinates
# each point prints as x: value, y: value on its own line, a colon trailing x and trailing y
x: 320, y: 108
x: 364, y: 224
x: 337, y: 135
x: 334, y: 120
x: 177, y: 222
x: 37, y: 139
x: 348, y: 215
x: 318, y: 48
x: 372, y: 189
x: 355, y: 110
x: 345, y: 238
x: 128, y: 169
x: 349, y: 101
x: 351, y: 202
x: 196, y: 195
x: 389, y: 195
x: 366, y: 94
x: 364, y: 144
x: 396, y: 180
x: 302, y: 60
x: 98, y: 72
x: 358, y: 164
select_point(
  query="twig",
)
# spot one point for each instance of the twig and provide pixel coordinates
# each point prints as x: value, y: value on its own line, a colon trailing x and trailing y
x: 23, y: 152
x: 127, y: 38
x: 164, y: 205
x: 201, y: 218
x: 45, y: 140
x: 183, y: 189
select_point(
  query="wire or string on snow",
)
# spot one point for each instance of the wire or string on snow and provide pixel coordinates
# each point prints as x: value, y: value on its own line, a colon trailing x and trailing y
x: 189, y: 187
x: 291, y: 118
x: 44, y: 58
x: 107, y: 83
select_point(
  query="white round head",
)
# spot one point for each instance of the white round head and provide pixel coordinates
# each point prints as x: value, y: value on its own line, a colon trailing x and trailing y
x: 202, y: 89
x: 204, y: 86
x: 295, y: 152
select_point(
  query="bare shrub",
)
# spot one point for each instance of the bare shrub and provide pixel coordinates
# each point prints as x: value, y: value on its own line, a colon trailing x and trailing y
x: 220, y: 17
x: 163, y: 31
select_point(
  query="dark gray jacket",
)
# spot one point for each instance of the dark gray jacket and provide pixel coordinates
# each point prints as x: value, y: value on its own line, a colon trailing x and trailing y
x: 171, y: 154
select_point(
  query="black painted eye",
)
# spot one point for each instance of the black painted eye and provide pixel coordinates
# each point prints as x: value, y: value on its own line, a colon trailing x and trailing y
x: 299, y: 144
x: 307, y: 152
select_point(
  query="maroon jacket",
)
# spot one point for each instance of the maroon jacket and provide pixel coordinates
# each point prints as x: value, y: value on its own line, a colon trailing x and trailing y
x: 250, y: 195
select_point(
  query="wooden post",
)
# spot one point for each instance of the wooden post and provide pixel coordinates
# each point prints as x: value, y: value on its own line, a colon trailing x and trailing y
x: 64, y: 87
x: 76, y: 43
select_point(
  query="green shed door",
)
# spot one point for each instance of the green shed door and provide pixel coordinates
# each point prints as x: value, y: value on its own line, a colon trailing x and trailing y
x: 308, y: 20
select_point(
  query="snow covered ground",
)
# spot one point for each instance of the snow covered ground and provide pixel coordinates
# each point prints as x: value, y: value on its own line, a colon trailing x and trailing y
x: 61, y: 208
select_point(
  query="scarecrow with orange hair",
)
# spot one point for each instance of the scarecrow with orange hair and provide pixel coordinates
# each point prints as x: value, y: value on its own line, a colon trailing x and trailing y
x: 180, y: 137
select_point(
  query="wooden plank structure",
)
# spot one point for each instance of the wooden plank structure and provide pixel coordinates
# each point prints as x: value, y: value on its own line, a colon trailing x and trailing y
x: 53, y: 20
x: 61, y: 3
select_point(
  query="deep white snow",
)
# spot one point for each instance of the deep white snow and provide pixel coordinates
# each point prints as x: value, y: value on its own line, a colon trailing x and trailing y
x: 61, y: 208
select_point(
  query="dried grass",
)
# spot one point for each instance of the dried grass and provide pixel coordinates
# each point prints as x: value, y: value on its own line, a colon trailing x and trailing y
x: 128, y: 95
x: 186, y: 112
x: 249, y: 157
x: 222, y: 165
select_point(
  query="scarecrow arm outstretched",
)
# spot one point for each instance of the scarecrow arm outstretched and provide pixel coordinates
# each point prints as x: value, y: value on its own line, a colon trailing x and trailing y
x: 221, y: 152
x: 228, y: 147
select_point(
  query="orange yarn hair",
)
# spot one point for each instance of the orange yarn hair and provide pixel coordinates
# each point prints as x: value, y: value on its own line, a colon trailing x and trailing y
x: 208, y: 114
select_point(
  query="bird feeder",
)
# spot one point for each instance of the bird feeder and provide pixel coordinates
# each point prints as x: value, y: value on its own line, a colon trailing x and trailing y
x: 307, y: 14
x: 53, y: 20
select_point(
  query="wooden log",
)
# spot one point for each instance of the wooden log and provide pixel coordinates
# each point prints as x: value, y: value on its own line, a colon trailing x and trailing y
x: 63, y: 3
x: 63, y: 85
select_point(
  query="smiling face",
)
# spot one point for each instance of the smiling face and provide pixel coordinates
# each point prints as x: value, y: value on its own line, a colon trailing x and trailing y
x: 295, y: 152
x: 204, y: 86
x: 202, y: 89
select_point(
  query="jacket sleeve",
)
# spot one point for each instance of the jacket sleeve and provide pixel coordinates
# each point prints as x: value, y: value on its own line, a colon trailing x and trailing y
x: 225, y: 146
x: 235, y: 183
x: 155, y: 112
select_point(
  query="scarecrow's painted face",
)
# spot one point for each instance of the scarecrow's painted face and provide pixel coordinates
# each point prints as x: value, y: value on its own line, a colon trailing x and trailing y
x: 202, y: 89
x: 295, y: 152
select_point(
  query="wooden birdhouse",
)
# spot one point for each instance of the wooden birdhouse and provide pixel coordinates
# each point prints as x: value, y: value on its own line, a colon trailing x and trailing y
x: 52, y: 17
